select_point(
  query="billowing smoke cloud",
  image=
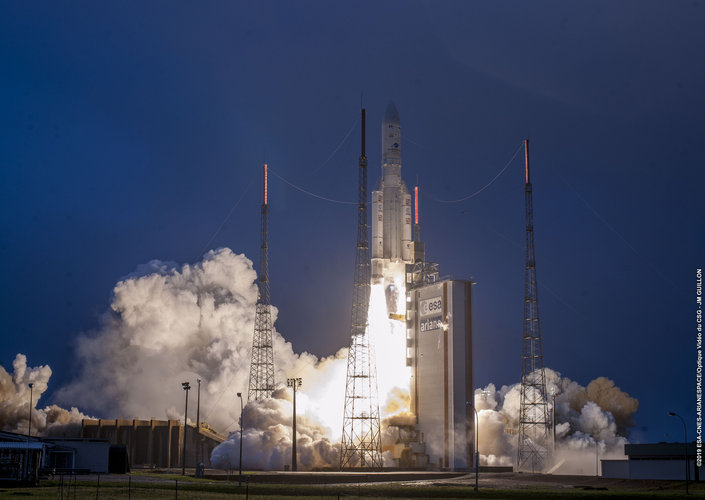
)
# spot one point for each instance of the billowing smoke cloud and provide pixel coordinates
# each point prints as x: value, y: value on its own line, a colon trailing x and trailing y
x: 598, y: 416
x: 169, y: 324
x: 15, y: 396
x: 267, y: 438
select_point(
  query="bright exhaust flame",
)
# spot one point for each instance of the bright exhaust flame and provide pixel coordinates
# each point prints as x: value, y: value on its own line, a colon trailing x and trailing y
x: 388, y: 337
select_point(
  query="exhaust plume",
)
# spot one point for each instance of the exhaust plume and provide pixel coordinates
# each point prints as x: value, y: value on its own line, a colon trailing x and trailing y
x: 586, y: 418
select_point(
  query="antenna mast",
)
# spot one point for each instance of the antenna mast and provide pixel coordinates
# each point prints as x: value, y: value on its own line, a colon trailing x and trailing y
x: 361, y: 444
x: 532, y: 453
x: 262, y: 361
x: 417, y: 228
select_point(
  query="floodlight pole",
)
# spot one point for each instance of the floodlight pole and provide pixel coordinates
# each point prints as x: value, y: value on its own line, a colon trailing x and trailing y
x: 597, y: 449
x: 239, y: 479
x: 198, y: 424
x: 29, y: 430
x: 553, y: 393
x: 293, y: 383
x: 685, y: 449
x: 186, y: 387
x: 198, y: 405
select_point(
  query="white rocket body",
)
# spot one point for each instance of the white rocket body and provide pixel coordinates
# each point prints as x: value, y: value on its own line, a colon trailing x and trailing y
x: 391, y: 206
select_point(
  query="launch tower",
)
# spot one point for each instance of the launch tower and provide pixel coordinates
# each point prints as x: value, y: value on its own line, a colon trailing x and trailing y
x: 262, y: 362
x: 361, y: 444
x: 532, y: 454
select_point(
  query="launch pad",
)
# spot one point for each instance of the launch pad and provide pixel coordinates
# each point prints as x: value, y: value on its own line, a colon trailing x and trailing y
x: 420, y: 324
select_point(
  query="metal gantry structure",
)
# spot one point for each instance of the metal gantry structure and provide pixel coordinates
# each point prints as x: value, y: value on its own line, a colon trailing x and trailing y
x: 361, y: 445
x: 262, y: 360
x: 532, y: 452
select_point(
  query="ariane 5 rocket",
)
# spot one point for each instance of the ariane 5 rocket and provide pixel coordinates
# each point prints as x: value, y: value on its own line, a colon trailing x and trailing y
x: 391, y: 206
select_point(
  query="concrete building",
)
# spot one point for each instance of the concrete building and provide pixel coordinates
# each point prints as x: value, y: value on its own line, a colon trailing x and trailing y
x: 23, y: 459
x: 665, y: 461
x: 89, y: 455
x: 439, y: 353
x: 155, y: 443
x: 439, y: 350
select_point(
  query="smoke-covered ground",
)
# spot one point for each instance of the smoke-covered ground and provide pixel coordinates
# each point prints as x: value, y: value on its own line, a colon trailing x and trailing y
x: 168, y: 324
x: 267, y: 438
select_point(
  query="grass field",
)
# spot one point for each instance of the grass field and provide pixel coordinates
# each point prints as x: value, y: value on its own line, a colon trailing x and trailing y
x: 163, y: 486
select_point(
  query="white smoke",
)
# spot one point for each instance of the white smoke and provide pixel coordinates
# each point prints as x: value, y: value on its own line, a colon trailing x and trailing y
x: 15, y: 396
x: 169, y: 324
x: 589, y: 421
x: 267, y: 442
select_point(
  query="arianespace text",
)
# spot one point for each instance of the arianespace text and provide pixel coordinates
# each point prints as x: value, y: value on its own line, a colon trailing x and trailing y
x: 699, y: 367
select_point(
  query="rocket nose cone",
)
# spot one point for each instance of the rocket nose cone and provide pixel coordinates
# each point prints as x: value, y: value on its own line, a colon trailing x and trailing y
x: 391, y: 115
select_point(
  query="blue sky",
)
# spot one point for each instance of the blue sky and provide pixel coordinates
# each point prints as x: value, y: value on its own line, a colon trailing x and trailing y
x: 129, y: 130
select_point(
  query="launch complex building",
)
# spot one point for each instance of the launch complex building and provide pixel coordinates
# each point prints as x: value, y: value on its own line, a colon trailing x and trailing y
x: 437, y: 318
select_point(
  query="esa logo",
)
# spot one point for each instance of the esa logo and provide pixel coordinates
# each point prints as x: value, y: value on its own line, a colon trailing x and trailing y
x: 431, y: 306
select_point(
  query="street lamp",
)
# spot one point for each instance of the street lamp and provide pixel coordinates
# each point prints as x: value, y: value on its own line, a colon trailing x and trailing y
x: 186, y: 387
x: 294, y: 383
x: 29, y: 426
x: 198, y: 405
x: 685, y: 448
x: 239, y: 479
x: 597, y: 457
x: 553, y: 394
x: 198, y: 425
x: 29, y: 429
x: 477, y: 445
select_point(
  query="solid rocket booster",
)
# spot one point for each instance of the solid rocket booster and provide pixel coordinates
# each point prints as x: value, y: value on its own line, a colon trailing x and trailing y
x: 391, y: 205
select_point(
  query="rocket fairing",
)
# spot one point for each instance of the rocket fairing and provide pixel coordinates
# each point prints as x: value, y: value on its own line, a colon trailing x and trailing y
x: 391, y: 204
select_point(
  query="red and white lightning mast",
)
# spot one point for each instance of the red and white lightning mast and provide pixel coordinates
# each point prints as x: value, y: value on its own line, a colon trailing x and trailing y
x: 262, y: 359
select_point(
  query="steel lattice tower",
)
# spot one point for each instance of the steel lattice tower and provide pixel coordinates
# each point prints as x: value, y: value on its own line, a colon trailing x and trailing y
x: 532, y: 451
x: 361, y: 444
x: 262, y: 362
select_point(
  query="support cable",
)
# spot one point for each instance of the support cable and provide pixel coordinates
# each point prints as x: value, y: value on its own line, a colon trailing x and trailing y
x: 506, y: 166
x: 609, y: 226
x: 340, y: 145
x: 310, y: 193
x: 227, y: 217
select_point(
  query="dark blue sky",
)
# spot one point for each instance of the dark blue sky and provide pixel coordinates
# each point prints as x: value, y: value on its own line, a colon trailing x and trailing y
x: 128, y: 131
